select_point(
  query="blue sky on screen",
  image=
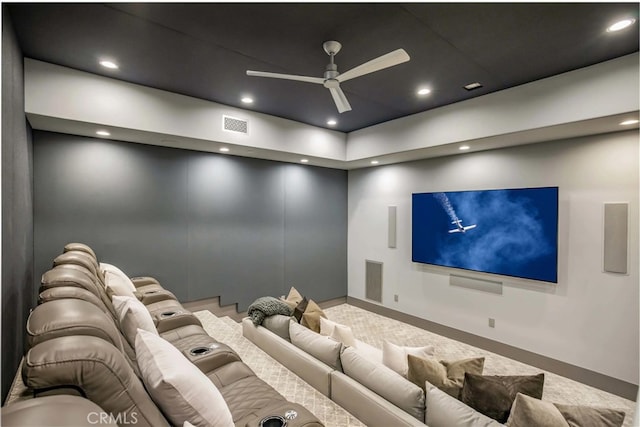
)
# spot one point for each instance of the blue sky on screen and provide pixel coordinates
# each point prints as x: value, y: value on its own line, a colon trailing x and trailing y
x: 515, y: 233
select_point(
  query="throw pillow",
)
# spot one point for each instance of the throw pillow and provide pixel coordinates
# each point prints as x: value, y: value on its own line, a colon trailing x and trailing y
x: 395, y: 356
x: 300, y: 308
x: 177, y: 386
x: 133, y: 315
x: 293, y: 298
x: 115, y: 270
x: 493, y: 395
x: 448, y: 376
x: 531, y: 412
x: 326, y: 326
x: 579, y: 416
x: 343, y: 334
x: 117, y: 285
x: 311, y: 316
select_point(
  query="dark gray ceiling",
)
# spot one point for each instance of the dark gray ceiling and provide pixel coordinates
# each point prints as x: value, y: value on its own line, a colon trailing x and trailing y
x: 204, y: 49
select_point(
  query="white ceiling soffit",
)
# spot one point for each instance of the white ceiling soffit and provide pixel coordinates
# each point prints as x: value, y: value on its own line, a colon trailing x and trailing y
x: 587, y: 101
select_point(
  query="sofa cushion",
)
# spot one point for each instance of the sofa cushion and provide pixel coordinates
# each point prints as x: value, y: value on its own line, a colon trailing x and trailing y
x: 444, y: 410
x: 179, y: 388
x: 493, y: 395
x: 132, y: 315
x: 384, y: 382
x: 448, y: 376
x: 311, y: 316
x: 395, y: 356
x: 278, y: 324
x: 322, y: 348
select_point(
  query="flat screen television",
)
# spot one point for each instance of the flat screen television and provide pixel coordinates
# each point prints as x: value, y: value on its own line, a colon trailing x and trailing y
x: 511, y: 232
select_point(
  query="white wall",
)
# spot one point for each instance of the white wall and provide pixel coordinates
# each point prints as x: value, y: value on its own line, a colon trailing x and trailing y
x: 589, y: 319
x: 564, y: 98
x: 56, y: 92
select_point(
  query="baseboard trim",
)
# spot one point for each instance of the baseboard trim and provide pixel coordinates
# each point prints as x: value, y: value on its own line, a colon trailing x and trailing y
x: 585, y: 376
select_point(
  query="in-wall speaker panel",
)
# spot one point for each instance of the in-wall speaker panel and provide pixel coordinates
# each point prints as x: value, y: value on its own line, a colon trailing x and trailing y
x: 616, y: 229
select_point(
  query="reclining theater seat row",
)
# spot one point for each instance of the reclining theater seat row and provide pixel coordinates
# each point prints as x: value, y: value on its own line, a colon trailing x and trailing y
x: 77, y: 346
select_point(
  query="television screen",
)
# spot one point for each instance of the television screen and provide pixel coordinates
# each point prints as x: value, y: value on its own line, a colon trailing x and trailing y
x: 511, y: 232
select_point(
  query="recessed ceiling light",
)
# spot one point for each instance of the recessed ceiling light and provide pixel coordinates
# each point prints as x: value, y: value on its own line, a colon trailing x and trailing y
x: 247, y: 100
x: 374, y: 162
x: 621, y: 25
x: 472, y: 86
x: 109, y: 64
x: 463, y: 147
x: 224, y: 149
x: 629, y: 122
x: 332, y: 122
x: 103, y: 133
x: 424, y: 91
x: 304, y: 161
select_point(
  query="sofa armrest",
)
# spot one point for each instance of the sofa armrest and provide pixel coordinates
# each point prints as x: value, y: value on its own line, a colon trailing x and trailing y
x: 307, y: 367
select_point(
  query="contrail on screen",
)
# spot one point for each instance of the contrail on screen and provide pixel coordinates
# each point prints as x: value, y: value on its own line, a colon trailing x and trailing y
x: 446, y: 205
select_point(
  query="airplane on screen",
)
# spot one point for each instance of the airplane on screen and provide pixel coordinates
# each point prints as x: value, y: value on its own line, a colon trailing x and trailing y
x: 461, y: 228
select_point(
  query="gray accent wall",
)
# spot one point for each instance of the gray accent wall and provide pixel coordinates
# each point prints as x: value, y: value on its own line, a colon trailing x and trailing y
x: 204, y: 224
x: 17, y: 207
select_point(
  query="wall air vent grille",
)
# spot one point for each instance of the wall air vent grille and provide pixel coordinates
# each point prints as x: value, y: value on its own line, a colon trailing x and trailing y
x: 373, y: 280
x: 232, y: 124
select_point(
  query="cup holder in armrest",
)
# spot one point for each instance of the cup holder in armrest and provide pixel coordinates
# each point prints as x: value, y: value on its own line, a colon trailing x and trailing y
x: 169, y: 314
x: 199, y: 351
x: 273, y: 421
x: 151, y: 292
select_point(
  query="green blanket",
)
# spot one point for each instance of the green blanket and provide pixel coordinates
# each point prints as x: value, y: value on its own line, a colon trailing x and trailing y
x: 265, y: 307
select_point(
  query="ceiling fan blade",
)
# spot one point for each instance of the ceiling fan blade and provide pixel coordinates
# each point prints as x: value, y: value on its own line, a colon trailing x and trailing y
x: 340, y: 99
x: 396, y: 57
x: 307, y: 79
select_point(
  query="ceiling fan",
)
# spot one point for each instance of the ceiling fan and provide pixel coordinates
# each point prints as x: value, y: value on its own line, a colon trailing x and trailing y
x: 332, y: 78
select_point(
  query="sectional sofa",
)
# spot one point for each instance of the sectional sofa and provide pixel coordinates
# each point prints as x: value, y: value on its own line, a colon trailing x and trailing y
x: 371, y: 392
x: 111, y: 350
x: 353, y: 374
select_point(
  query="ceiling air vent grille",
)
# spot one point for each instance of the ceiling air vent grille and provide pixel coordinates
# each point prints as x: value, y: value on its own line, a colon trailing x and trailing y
x: 232, y: 124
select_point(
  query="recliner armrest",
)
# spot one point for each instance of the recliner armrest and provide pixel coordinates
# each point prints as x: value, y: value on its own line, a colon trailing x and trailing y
x: 144, y: 280
x: 212, y: 356
x: 169, y: 320
x: 156, y: 295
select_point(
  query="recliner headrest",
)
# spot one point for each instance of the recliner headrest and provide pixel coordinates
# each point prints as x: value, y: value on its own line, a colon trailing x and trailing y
x: 74, y: 246
x: 69, y: 275
x: 65, y: 317
x: 79, y: 258
x: 73, y: 292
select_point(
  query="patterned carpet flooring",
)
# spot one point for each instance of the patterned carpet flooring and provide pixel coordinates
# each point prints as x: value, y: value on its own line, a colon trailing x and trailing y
x: 373, y: 329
